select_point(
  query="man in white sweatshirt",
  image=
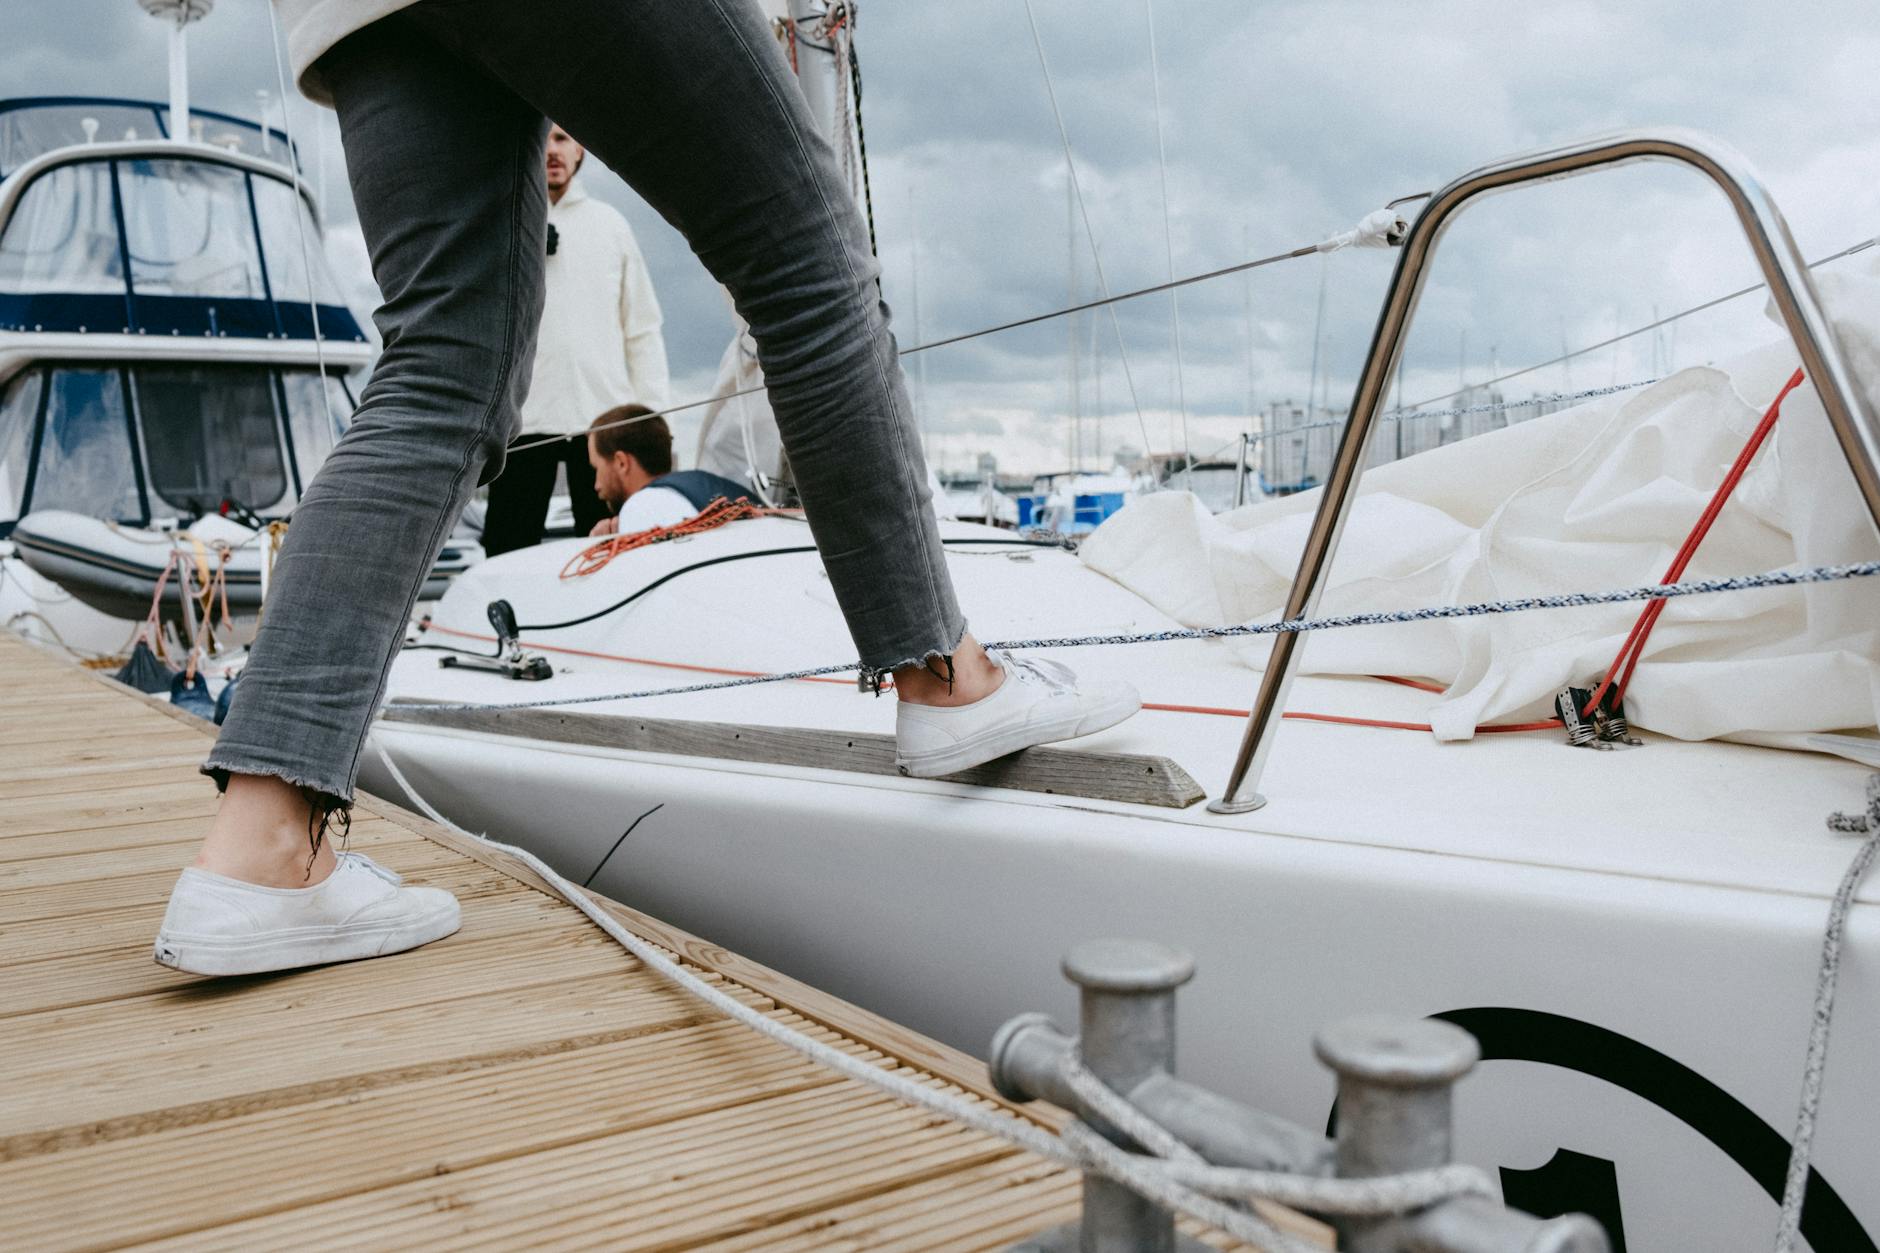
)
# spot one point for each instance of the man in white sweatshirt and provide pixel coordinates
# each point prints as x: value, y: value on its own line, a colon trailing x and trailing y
x: 599, y: 346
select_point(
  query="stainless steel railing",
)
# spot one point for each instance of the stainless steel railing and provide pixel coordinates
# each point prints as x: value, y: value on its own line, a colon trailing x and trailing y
x: 1853, y: 420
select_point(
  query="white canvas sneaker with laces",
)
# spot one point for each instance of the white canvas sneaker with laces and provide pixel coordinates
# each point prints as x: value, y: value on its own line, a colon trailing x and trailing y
x: 221, y: 926
x: 1039, y: 702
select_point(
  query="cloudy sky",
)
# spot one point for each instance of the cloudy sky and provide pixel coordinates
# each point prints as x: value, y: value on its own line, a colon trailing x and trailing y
x: 1282, y: 123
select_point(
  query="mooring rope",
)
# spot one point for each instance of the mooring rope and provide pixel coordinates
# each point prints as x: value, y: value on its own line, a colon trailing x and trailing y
x: 1160, y: 1181
x: 1523, y: 604
x: 1177, y: 1178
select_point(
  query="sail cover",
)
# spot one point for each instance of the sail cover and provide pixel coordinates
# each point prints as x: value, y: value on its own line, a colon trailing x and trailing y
x: 1587, y: 499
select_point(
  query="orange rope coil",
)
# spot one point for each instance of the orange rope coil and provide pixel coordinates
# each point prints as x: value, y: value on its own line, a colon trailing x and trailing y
x: 714, y: 515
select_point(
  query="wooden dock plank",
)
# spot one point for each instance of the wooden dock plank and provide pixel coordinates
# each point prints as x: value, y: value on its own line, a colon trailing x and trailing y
x: 524, y: 1082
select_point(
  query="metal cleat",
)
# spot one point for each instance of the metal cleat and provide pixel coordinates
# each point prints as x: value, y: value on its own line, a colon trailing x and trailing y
x: 510, y: 661
x: 1581, y: 730
x: 1610, y: 722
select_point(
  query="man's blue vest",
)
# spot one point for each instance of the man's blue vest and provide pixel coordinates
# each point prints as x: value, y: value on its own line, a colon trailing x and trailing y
x: 701, y: 487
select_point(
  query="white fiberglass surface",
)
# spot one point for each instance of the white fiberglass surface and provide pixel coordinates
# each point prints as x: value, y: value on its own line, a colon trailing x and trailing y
x: 1706, y: 812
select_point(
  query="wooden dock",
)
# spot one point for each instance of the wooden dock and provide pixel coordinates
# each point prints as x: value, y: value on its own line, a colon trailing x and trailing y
x: 523, y: 1083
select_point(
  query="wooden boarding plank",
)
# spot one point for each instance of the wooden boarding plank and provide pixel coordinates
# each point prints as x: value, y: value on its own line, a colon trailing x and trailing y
x: 88, y: 777
x: 204, y: 1082
x: 733, y: 1168
x: 353, y: 1144
x: 77, y: 723
x: 905, y: 1218
x: 109, y: 805
x: 69, y: 981
x: 1128, y: 777
x: 157, y: 767
x: 238, y: 1012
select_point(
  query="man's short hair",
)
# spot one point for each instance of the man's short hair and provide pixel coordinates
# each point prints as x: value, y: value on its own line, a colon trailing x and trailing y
x: 637, y: 430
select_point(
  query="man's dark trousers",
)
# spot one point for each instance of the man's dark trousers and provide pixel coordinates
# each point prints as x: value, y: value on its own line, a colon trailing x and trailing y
x: 519, y: 496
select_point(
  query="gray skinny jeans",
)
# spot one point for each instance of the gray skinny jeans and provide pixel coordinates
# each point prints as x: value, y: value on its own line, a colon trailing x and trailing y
x: 442, y: 110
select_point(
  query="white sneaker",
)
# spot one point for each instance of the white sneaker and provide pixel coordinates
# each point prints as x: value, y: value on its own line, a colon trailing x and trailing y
x: 216, y: 925
x: 1039, y: 702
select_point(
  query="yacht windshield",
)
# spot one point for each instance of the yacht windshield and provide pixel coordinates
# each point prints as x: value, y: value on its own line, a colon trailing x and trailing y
x: 187, y: 229
x: 63, y: 236
x: 282, y: 239
x: 211, y: 433
x: 316, y: 421
x: 19, y: 412
x: 33, y: 128
x: 85, y: 458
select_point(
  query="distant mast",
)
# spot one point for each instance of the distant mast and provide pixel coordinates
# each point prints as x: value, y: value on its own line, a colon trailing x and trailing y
x: 179, y: 14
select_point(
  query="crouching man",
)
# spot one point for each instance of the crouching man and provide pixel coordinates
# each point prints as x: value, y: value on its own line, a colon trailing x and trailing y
x: 630, y: 448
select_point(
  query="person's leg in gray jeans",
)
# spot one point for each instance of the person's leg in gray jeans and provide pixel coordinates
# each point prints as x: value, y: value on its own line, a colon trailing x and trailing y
x: 445, y: 167
x: 442, y: 111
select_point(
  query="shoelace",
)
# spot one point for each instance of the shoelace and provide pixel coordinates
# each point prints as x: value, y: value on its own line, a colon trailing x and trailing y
x: 366, y: 863
x: 1042, y: 670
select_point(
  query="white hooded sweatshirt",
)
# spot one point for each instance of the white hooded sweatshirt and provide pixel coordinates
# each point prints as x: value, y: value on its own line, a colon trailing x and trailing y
x: 600, y: 343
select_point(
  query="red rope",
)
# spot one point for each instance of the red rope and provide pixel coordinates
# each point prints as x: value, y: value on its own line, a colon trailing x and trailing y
x: 1619, y: 674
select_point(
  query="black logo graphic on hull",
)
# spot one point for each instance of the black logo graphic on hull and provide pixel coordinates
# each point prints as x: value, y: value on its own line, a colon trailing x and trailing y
x: 1526, y: 1035
x: 1570, y: 1183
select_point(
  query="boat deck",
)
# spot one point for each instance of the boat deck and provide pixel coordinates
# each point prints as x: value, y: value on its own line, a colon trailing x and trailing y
x: 525, y: 1082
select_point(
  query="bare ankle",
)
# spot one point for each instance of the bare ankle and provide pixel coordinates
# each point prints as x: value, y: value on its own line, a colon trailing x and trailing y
x: 969, y: 675
x: 266, y: 832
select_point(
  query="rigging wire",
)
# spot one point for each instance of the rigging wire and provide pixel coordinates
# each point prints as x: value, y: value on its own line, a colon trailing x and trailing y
x: 861, y: 135
x: 1096, y: 257
x: 300, y: 216
x: 1849, y: 251
x: 1168, y: 249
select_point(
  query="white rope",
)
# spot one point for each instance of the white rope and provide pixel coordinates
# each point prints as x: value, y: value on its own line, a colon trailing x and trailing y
x: 1396, y: 1194
x: 1078, y: 1148
x: 1821, y: 1022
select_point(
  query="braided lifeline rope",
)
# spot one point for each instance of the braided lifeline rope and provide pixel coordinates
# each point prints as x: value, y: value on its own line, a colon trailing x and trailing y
x: 714, y: 515
x: 1795, y: 1188
x: 1157, y: 1180
x: 1526, y: 604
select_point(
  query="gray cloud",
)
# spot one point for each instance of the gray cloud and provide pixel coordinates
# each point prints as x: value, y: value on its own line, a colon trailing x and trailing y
x: 1283, y: 122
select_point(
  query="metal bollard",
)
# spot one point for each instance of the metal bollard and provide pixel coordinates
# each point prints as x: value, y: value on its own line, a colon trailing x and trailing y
x: 1395, y: 1079
x: 1127, y: 1036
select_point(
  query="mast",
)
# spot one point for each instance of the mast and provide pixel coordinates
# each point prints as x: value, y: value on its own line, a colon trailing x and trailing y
x: 920, y: 362
x: 1070, y: 236
x: 815, y: 67
x: 179, y: 14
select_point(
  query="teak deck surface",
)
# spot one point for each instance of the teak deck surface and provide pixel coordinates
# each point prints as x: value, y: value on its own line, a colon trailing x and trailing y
x: 524, y: 1083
